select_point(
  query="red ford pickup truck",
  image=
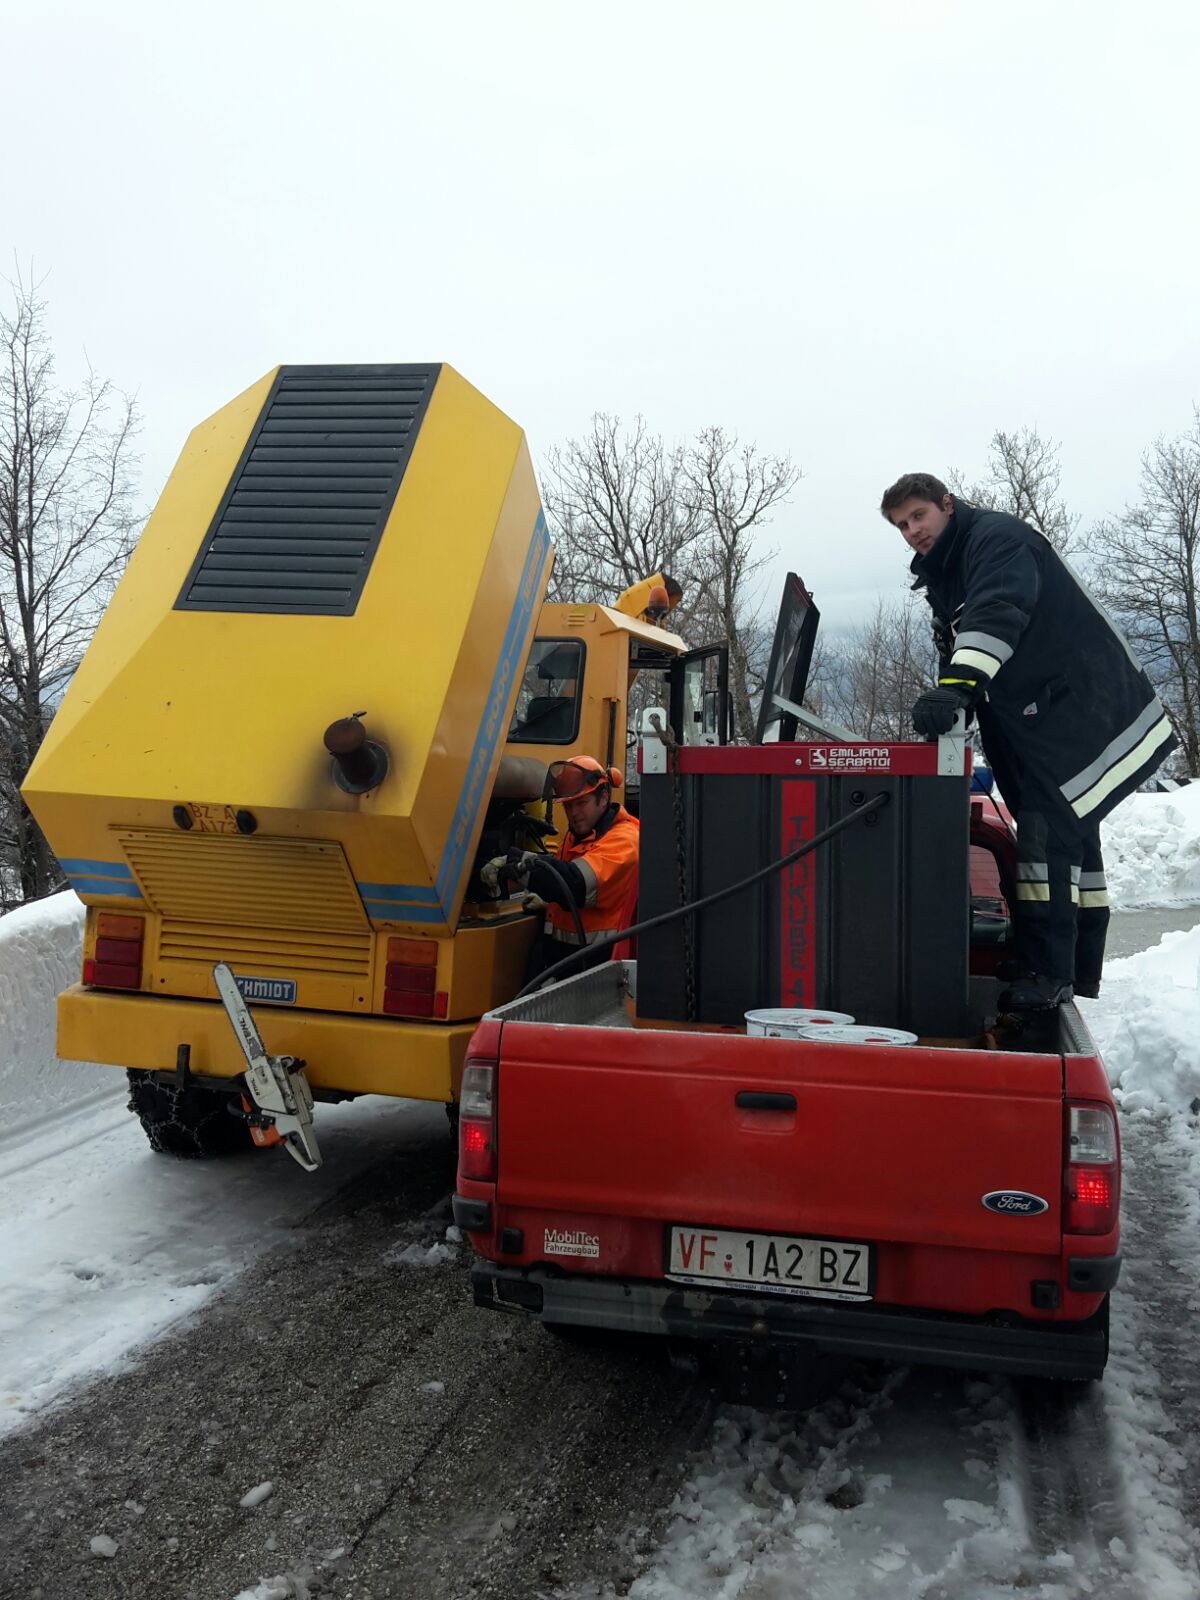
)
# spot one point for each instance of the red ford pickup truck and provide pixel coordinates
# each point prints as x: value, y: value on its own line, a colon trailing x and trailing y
x: 935, y: 1203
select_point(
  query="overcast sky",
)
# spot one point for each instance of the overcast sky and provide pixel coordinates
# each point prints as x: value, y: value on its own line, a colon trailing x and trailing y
x: 865, y: 234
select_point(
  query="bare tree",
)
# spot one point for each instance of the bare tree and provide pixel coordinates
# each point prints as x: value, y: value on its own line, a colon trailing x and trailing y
x: 733, y: 490
x: 1145, y: 567
x: 66, y: 525
x: 618, y: 503
x: 822, y: 690
x: 624, y: 504
x: 1023, y: 477
x: 877, y: 671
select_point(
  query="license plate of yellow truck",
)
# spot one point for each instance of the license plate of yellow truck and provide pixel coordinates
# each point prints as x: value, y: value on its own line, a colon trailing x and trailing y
x: 781, y: 1263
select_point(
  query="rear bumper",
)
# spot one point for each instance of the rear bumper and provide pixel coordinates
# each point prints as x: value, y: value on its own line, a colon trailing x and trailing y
x: 1047, y: 1350
x: 357, y: 1055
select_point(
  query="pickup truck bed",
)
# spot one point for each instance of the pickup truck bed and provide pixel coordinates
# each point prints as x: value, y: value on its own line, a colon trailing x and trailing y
x: 915, y: 1203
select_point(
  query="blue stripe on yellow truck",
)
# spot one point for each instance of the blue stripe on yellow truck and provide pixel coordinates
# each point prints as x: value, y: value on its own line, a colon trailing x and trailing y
x: 94, y: 869
x: 386, y: 901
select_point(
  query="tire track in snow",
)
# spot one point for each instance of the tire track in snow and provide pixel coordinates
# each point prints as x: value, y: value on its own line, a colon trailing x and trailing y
x: 56, y: 1135
x: 1152, y: 1390
x: 742, y: 1523
x: 1073, y: 1490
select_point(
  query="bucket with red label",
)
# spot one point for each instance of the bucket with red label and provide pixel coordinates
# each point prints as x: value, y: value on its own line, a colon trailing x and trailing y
x: 839, y: 1034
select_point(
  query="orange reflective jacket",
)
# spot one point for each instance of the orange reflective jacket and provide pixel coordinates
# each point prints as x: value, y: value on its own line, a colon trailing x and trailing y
x: 608, y: 861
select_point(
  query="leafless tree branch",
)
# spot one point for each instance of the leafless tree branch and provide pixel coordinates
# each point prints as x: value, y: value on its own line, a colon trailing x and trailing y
x: 66, y: 528
x: 624, y: 504
x: 1145, y: 567
x: 1023, y: 477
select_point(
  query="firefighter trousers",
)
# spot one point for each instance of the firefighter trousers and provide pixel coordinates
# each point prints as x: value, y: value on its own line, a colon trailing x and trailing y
x: 1061, y: 908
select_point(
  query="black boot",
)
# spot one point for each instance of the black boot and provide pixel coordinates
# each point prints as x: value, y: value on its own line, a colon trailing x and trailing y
x: 1035, y: 993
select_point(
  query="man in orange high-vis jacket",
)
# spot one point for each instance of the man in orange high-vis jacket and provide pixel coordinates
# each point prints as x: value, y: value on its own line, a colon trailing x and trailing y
x: 595, y: 868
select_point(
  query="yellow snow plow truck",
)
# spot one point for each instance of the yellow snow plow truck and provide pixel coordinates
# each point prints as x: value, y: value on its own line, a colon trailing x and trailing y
x: 324, y: 694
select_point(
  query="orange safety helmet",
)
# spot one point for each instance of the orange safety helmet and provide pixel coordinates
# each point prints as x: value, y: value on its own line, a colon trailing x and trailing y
x: 570, y: 780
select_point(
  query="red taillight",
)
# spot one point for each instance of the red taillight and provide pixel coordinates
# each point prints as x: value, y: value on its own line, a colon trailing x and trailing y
x: 475, y: 1148
x: 117, y: 963
x: 402, y: 1003
x: 420, y: 980
x: 1092, y: 1186
x: 123, y: 951
x: 410, y: 980
x: 477, y: 1121
x: 108, y: 975
x: 1092, y: 1178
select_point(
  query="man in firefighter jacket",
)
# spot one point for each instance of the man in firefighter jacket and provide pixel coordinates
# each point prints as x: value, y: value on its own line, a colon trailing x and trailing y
x: 593, y: 874
x: 1070, y: 723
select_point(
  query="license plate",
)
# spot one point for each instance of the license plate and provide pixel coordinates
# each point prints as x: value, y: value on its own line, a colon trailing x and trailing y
x: 212, y: 819
x: 777, y: 1262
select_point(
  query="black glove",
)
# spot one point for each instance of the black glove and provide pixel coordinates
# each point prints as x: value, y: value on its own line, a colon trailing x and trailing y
x: 936, y: 710
x: 558, y: 883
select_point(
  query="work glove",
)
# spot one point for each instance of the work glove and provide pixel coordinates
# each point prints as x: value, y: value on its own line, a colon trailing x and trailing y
x: 505, y: 876
x: 936, y: 710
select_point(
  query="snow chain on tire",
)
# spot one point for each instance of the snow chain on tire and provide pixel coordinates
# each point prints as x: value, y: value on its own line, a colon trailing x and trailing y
x: 191, y: 1122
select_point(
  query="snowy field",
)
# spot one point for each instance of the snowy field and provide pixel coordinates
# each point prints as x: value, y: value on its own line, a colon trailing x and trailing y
x: 104, y: 1246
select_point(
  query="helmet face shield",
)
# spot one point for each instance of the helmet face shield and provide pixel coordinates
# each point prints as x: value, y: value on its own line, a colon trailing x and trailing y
x: 571, y: 780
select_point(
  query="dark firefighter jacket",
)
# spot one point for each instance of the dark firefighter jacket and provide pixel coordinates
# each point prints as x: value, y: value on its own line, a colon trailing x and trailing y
x: 1065, y: 698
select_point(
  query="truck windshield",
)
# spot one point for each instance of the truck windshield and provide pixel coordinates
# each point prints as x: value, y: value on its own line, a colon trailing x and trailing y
x: 547, y: 710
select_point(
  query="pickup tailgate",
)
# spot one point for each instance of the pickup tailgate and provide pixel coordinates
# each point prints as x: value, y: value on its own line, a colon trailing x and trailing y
x: 780, y: 1136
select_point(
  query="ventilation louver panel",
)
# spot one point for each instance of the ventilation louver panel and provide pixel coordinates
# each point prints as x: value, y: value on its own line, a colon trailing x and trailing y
x: 261, y: 882
x: 305, y: 509
x: 290, y: 950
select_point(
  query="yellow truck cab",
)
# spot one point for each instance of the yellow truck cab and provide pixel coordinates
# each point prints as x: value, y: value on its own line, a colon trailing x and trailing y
x: 325, y: 692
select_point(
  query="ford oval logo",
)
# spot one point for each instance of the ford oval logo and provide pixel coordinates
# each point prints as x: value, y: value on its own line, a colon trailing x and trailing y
x: 1015, y: 1203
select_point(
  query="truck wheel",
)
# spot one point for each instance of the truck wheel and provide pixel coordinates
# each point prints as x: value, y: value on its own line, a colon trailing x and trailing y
x: 191, y: 1123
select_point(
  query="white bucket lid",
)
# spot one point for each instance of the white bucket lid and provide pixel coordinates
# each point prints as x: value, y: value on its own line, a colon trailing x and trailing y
x: 784, y: 1022
x: 859, y: 1035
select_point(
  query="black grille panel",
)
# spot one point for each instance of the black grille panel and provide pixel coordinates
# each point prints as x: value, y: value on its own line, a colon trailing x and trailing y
x: 303, y: 514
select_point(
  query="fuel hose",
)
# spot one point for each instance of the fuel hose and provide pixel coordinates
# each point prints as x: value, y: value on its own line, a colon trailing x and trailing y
x: 693, y: 906
x: 571, y: 906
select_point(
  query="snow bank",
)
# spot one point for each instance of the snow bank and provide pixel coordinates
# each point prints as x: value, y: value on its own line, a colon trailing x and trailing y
x: 1152, y: 849
x: 39, y: 956
x: 1147, y: 1024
